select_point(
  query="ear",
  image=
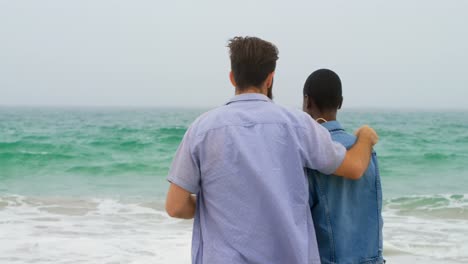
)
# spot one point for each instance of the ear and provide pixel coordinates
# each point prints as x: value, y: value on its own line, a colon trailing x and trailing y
x: 309, y: 103
x: 341, y: 103
x: 269, y: 79
x: 231, y: 78
x: 311, y: 107
x: 305, y: 103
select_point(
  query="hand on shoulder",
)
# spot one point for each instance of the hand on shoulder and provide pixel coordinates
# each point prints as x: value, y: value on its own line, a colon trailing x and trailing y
x: 367, y: 133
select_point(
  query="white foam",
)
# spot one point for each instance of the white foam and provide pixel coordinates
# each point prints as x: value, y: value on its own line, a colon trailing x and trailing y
x: 431, y: 230
x: 54, y: 230
x: 67, y: 230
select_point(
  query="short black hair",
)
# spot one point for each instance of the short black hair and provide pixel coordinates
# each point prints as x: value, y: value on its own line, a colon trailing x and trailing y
x: 324, y: 88
x: 252, y: 59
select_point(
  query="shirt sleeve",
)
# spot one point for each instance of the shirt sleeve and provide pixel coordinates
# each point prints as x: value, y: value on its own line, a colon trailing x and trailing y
x: 185, y: 168
x: 320, y: 151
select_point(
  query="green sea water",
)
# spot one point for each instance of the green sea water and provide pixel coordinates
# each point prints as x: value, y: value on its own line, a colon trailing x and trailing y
x: 99, y: 174
x: 127, y: 152
x: 88, y: 152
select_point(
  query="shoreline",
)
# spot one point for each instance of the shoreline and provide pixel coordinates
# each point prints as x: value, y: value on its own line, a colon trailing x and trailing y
x: 89, y: 229
x: 411, y: 259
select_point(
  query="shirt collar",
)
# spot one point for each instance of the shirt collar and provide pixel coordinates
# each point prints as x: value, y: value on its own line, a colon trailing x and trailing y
x: 332, y: 126
x: 249, y: 97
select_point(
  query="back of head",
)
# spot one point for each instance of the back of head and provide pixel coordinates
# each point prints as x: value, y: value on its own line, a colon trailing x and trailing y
x: 323, y: 87
x: 252, y: 60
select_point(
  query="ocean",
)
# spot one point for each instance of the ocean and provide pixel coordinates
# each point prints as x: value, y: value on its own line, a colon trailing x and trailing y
x: 87, y: 185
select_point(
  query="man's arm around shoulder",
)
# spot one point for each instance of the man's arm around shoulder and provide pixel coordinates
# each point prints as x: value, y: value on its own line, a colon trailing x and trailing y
x: 357, y: 158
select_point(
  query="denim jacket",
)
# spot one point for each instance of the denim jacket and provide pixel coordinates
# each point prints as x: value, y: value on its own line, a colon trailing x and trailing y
x: 347, y: 213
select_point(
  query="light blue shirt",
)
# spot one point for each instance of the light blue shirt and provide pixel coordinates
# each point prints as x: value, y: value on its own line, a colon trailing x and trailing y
x: 245, y: 161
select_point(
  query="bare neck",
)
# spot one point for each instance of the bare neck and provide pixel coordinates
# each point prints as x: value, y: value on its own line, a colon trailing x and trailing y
x: 251, y: 89
x: 325, y: 117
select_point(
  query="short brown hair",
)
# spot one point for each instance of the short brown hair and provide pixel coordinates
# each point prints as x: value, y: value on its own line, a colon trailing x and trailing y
x: 252, y: 59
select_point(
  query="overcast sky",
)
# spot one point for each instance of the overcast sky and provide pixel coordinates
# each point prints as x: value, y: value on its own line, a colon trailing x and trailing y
x: 398, y: 54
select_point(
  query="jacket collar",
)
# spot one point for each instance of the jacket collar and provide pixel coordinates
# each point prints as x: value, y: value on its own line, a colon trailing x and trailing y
x: 333, y: 126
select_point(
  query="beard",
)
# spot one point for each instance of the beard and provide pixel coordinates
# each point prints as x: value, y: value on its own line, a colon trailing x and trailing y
x: 270, y: 91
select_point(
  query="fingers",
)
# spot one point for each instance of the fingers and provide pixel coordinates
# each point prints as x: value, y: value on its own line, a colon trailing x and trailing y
x: 368, y: 133
x: 359, y: 130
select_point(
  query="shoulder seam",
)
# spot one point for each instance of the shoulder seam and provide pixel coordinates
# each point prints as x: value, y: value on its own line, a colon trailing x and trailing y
x: 249, y: 124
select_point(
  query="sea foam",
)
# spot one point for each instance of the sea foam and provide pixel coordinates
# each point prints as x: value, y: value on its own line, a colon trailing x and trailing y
x: 92, y: 230
x: 65, y: 230
x: 434, y: 226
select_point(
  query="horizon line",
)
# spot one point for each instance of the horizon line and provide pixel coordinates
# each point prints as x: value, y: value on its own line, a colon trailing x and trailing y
x: 70, y: 106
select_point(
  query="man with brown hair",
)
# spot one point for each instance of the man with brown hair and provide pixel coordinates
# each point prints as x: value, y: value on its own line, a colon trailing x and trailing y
x: 245, y: 163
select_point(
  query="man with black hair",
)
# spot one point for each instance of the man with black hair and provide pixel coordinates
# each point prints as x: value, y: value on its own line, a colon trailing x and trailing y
x: 347, y: 213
